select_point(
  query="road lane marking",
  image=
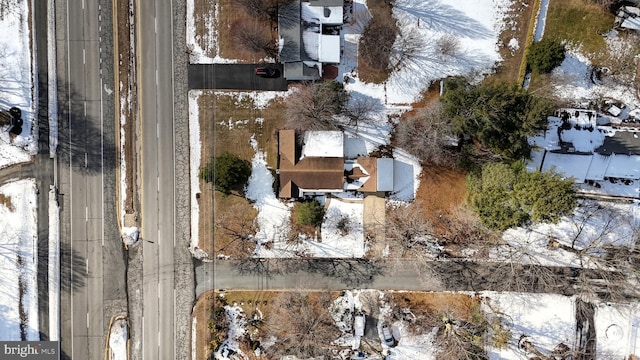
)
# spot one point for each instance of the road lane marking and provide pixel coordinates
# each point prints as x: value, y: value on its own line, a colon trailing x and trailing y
x: 86, y: 213
x: 158, y: 183
x: 155, y: 25
x: 85, y: 109
x: 84, y: 57
x: 87, y: 320
x: 158, y: 130
x: 87, y: 265
x: 86, y: 159
x: 156, y: 77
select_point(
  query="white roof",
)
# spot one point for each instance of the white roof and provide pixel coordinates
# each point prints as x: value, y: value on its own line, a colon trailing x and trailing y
x: 329, y: 49
x: 598, y: 167
x: 329, y: 15
x: 624, y: 166
x: 323, y: 144
x: 614, y: 110
x: 384, y: 174
x: 569, y: 165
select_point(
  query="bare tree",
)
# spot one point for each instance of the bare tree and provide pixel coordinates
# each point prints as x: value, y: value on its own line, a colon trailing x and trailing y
x: 427, y: 135
x: 407, y: 47
x: 360, y: 109
x: 316, y: 106
x: 301, y: 325
x: 410, y: 231
x: 448, y: 45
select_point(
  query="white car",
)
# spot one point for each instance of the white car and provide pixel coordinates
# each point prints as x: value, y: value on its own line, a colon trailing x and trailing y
x: 387, y: 336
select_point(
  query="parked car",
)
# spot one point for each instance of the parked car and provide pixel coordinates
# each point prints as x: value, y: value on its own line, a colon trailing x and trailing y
x: 387, y: 336
x: 267, y: 71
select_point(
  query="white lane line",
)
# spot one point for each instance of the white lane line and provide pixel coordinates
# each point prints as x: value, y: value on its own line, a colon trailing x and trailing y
x: 156, y: 77
x: 82, y: 4
x: 84, y: 57
x: 85, y: 109
x: 86, y: 160
x: 87, y: 265
x: 87, y: 320
x: 158, y: 183
x: 86, y: 213
x: 155, y: 25
x: 158, y: 130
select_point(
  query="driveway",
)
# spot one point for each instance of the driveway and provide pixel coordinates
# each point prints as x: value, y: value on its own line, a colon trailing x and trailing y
x: 374, y: 221
x: 233, y: 77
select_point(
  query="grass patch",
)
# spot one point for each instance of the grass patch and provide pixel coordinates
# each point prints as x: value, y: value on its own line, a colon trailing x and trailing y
x: 217, y: 111
x: 202, y: 313
x: 458, y: 305
x: 581, y: 23
x: 441, y: 190
x: 231, y: 12
x: 517, y: 23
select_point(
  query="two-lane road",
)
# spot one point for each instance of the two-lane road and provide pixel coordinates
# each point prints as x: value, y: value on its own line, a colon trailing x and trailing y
x: 155, y: 86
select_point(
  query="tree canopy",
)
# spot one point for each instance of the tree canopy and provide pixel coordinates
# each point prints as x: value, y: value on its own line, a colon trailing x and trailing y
x: 310, y: 213
x: 544, y: 55
x: 227, y: 171
x: 506, y: 196
x: 501, y: 116
x: 315, y: 106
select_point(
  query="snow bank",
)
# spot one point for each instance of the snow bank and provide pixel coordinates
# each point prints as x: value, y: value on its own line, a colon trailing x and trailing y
x: 54, y: 265
x: 16, y: 85
x: 130, y: 235
x: 195, y: 151
x: 118, y: 338
x: 18, y: 241
x: 237, y: 329
x: 52, y: 85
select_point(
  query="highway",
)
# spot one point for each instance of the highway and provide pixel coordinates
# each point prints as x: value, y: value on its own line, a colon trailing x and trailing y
x: 156, y: 112
x: 91, y: 247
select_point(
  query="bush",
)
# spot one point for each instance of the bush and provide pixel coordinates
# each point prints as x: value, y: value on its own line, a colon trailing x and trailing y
x: 310, y: 213
x: 226, y: 172
x: 545, y: 55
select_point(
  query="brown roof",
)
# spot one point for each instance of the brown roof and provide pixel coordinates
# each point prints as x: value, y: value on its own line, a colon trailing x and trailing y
x: 369, y: 164
x: 310, y: 173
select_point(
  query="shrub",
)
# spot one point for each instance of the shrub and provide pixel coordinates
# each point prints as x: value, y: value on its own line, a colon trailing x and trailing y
x: 545, y: 55
x: 310, y: 213
x: 226, y: 172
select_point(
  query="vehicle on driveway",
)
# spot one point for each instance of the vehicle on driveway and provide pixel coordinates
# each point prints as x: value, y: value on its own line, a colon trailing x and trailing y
x: 267, y: 71
x: 387, y: 336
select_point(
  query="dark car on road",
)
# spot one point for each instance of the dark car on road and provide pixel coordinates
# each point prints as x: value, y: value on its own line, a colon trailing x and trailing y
x: 267, y: 71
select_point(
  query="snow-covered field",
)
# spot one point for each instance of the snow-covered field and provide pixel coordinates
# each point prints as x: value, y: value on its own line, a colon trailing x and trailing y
x: 195, y: 148
x: 19, y: 262
x: 54, y: 266
x: 17, y: 85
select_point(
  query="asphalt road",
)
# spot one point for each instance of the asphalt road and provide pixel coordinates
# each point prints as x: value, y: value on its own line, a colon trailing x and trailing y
x: 233, y: 77
x: 339, y: 274
x: 90, y: 246
x: 155, y: 86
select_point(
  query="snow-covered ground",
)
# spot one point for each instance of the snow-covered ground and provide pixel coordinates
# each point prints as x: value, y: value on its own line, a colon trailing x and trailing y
x: 593, y: 225
x: 195, y: 148
x: 52, y: 86
x: 17, y: 85
x: 545, y: 320
x: 54, y: 265
x: 19, y: 263
x: 198, y: 54
x: 118, y: 338
x: 237, y: 329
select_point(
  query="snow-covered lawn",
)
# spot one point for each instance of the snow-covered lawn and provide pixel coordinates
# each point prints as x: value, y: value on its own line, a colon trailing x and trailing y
x: 54, y: 266
x: 195, y: 148
x: 19, y: 263
x: 237, y: 329
x: 476, y: 24
x: 17, y: 85
x: 593, y: 225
